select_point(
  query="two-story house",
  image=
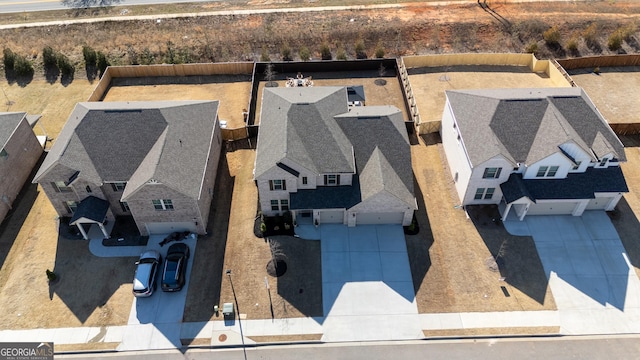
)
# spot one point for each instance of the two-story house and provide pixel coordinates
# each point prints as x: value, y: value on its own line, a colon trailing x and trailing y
x: 155, y: 161
x: 533, y: 151
x: 19, y: 153
x: 327, y: 162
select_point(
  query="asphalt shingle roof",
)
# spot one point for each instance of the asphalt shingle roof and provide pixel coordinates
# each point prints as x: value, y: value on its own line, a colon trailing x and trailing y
x: 9, y: 121
x: 91, y: 208
x: 135, y: 142
x: 574, y: 186
x: 526, y: 125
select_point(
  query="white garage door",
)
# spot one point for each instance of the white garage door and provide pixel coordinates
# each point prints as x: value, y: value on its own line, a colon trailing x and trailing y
x: 332, y: 217
x: 552, y: 208
x: 169, y: 227
x: 599, y: 203
x: 379, y: 218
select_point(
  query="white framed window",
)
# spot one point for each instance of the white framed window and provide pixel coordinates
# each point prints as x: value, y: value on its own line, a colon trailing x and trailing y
x: 604, y: 162
x: 491, y: 173
x: 71, y: 206
x: 484, y: 193
x: 124, y: 206
x: 274, y: 205
x: 304, y: 180
x: 332, y: 180
x: 60, y: 186
x: 547, y: 171
x: 284, y: 205
x: 577, y: 165
x: 162, y: 204
x: 277, y: 185
x: 118, y: 186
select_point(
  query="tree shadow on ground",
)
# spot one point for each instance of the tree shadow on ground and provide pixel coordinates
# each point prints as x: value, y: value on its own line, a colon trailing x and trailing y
x: 10, y: 75
x: 92, y: 72
x: 628, y: 228
x: 51, y: 73
x: 67, y: 78
x: 418, y: 245
x: 516, y: 257
x: 301, y: 285
x: 208, y: 261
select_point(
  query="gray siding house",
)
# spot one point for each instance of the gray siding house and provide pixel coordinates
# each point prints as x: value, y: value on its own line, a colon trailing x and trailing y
x: 154, y: 161
x: 19, y: 153
x: 327, y: 162
x: 532, y: 151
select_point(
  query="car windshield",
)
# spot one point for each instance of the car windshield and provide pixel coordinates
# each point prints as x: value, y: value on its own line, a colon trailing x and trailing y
x: 171, y: 271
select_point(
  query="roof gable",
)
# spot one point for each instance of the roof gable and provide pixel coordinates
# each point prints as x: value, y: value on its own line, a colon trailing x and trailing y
x: 9, y: 121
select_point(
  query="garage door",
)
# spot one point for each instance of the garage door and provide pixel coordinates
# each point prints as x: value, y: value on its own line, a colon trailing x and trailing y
x: 332, y: 217
x: 379, y: 218
x: 169, y: 227
x: 551, y: 208
x: 599, y: 203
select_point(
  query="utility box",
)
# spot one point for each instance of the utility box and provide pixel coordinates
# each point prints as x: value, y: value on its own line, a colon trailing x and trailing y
x: 227, y: 309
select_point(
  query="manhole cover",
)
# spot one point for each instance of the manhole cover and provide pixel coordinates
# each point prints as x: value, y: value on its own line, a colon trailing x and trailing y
x: 222, y: 338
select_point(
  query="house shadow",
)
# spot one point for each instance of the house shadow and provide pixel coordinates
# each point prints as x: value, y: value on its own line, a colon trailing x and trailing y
x: 418, y: 245
x: 208, y: 261
x: 15, y: 218
x: 516, y: 257
x: 628, y: 227
x: 301, y: 284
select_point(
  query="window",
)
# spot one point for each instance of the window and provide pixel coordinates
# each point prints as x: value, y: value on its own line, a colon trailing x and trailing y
x: 577, y: 165
x: 277, y: 184
x: 274, y: 205
x: 71, y: 206
x: 4, y: 154
x: 603, y: 162
x: 332, y: 180
x: 124, y: 206
x: 547, y: 171
x: 118, y: 186
x: 542, y: 170
x: 284, y: 205
x: 88, y: 188
x: 304, y: 180
x: 491, y: 173
x: 163, y: 204
x: 60, y: 186
x: 484, y: 193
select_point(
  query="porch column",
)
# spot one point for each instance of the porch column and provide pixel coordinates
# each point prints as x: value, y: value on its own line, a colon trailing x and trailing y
x: 506, y: 212
x: 84, y: 233
x: 104, y: 231
x: 524, y: 212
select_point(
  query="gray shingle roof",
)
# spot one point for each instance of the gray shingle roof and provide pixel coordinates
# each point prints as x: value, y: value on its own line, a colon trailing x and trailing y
x: 9, y: 121
x: 526, y: 125
x: 91, y: 208
x: 574, y: 186
x: 135, y: 142
x: 324, y: 136
x: 297, y: 124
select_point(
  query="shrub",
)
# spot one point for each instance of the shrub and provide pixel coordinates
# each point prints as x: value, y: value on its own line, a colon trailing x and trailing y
x: 552, y: 36
x: 341, y: 54
x: 263, y: 227
x: 146, y: 57
x: 23, y: 67
x: 285, y: 51
x: 264, y: 55
x: 65, y: 66
x: 49, y: 57
x: 615, y: 41
x: 51, y: 276
x: 325, y: 51
x: 572, y: 44
x: 90, y: 56
x: 9, y: 59
x: 532, y: 48
x: 379, y: 51
x: 103, y: 62
x: 590, y: 34
x: 304, y: 53
x: 360, y: 49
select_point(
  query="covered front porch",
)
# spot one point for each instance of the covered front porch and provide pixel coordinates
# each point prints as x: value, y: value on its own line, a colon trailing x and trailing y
x: 93, y: 211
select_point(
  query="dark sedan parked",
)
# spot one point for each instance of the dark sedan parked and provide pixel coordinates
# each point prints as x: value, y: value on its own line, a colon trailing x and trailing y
x: 175, y: 267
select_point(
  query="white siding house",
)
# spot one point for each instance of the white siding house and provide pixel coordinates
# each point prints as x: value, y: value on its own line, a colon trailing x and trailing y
x: 532, y: 151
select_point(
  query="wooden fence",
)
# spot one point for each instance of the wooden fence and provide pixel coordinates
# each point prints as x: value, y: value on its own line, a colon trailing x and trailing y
x: 626, y: 129
x: 234, y: 134
x: 600, y: 61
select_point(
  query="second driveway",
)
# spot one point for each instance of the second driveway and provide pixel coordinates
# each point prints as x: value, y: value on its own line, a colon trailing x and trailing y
x: 593, y: 283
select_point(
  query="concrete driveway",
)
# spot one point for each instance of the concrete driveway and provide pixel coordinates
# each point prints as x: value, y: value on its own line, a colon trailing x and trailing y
x: 593, y: 283
x: 367, y: 290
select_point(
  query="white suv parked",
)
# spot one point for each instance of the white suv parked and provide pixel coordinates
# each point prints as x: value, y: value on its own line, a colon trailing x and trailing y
x: 144, y: 281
